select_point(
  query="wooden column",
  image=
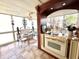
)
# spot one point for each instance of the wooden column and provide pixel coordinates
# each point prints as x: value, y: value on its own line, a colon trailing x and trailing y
x: 38, y: 26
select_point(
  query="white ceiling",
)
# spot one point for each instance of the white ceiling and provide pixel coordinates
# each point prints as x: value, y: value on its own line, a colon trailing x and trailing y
x: 24, y: 7
x: 63, y: 12
x: 20, y: 7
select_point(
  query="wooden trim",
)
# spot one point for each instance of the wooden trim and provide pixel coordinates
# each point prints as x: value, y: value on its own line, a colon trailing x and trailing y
x: 38, y: 27
x: 68, y: 50
x: 47, y: 5
x: 45, y: 9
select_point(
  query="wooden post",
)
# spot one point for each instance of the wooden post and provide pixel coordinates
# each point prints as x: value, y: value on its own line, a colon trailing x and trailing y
x: 39, y: 26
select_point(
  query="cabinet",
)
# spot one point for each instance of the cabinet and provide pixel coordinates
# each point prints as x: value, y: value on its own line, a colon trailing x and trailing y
x: 56, y: 46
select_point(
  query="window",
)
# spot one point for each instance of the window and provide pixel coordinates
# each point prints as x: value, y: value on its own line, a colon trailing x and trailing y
x: 59, y: 21
x: 6, y: 38
x: 18, y: 22
x: 71, y: 19
x: 32, y: 24
x: 5, y: 23
x: 35, y: 24
x: 6, y: 34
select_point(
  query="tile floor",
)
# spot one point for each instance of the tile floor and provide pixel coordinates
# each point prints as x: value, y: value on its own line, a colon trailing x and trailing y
x: 23, y: 51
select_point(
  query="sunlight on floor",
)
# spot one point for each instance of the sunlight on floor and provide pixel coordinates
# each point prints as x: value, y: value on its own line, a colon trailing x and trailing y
x: 23, y: 51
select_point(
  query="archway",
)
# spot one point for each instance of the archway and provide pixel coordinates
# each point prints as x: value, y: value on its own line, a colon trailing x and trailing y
x: 50, y: 7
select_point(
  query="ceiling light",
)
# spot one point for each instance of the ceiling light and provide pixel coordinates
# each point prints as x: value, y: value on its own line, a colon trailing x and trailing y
x: 64, y: 4
x: 51, y: 8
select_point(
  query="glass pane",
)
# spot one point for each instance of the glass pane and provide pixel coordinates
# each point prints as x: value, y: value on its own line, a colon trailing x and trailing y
x: 32, y: 24
x: 5, y: 23
x: 18, y: 22
x: 60, y: 21
x: 35, y: 24
x: 6, y: 38
x: 15, y: 35
x: 5, y: 26
x: 54, y: 45
x: 29, y: 23
x: 71, y: 19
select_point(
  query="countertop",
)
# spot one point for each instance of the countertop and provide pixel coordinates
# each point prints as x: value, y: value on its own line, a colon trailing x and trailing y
x: 58, y: 38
